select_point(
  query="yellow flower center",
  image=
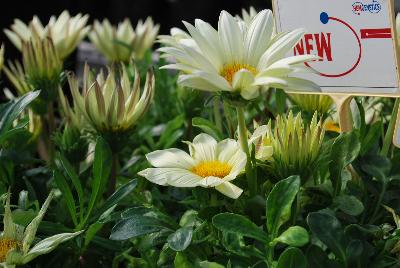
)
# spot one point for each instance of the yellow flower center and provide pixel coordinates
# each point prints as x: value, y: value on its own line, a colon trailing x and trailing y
x: 212, y: 168
x: 6, y: 245
x: 229, y: 70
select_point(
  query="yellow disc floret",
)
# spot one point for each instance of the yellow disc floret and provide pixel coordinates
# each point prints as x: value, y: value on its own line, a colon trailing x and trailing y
x: 212, y: 168
x: 229, y: 70
x: 6, y: 245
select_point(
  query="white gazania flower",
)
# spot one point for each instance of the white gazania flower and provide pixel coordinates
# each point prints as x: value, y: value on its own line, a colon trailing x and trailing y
x: 239, y: 58
x: 65, y: 31
x: 121, y: 43
x: 210, y: 164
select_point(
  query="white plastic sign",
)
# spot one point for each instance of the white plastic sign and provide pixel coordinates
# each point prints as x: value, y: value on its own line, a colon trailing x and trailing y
x: 354, y: 39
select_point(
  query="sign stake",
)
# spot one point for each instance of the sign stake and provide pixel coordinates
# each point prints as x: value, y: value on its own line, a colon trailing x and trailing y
x: 343, y: 108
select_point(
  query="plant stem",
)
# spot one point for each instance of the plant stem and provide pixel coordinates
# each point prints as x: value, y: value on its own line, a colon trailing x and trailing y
x: 217, y: 113
x: 250, y: 172
x: 113, y: 175
x: 51, y: 127
x: 390, y: 131
x: 228, y: 117
x: 378, y: 203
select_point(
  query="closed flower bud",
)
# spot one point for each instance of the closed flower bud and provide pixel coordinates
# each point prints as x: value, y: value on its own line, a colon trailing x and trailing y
x: 42, y: 66
x: 112, y: 104
x: 296, y: 146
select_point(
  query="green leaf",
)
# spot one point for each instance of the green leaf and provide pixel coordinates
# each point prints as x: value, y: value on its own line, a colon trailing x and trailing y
x: 182, y: 261
x: 329, y: 230
x: 11, y: 110
x: 135, y: 226
x: 292, y: 258
x: 91, y: 232
x: 180, y: 239
x: 344, y: 150
x: 354, y: 250
x: 67, y: 167
x: 234, y: 223
x: 295, y: 236
x: 207, y: 264
x: 67, y: 194
x: 208, y: 127
x: 279, y: 203
x: 317, y: 258
x: 372, y: 137
x: 171, y: 133
x: 349, y: 204
x: 101, y: 173
x: 30, y: 231
x: 116, y: 197
x: 48, y: 244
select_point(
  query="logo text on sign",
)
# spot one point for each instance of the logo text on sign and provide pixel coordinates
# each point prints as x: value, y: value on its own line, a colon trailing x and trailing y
x: 359, y: 7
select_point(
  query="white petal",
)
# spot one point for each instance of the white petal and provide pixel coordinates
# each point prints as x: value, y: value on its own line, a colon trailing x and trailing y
x: 172, y: 157
x: 280, y: 47
x: 214, y: 79
x: 258, y: 36
x: 226, y: 149
x: 203, y: 148
x: 171, y: 176
x: 230, y: 37
x: 210, y: 181
x: 229, y: 189
x: 205, y: 46
x: 298, y: 84
x: 197, y: 82
x: 271, y: 82
x: 243, y: 80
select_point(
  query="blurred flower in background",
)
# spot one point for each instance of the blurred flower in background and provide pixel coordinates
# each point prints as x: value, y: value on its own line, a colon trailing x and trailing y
x: 65, y: 31
x: 122, y: 43
x: 211, y: 164
x: 247, y: 16
x: 239, y: 59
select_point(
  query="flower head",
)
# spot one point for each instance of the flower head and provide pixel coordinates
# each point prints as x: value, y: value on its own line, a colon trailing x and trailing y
x: 112, y: 104
x: 16, y: 241
x: 121, y: 43
x: 296, y: 147
x: 211, y: 164
x: 311, y: 103
x: 65, y: 31
x: 239, y: 58
x: 261, y: 143
x: 43, y: 67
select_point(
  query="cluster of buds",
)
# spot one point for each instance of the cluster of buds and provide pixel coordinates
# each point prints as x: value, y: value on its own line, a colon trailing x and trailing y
x: 289, y: 147
x: 65, y: 31
x: 112, y: 104
x: 122, y: 43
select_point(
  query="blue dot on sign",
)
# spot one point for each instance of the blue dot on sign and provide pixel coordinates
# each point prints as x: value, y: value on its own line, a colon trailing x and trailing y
x: 324, y: 17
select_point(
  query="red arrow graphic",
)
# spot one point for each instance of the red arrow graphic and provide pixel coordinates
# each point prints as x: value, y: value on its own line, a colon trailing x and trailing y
x: 376, y: 33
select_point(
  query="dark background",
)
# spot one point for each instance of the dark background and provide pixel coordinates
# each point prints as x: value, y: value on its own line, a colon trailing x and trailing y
x: 168, y: 13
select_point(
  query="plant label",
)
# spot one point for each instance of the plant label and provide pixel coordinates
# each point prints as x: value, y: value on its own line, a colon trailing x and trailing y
x: 354, y: 40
